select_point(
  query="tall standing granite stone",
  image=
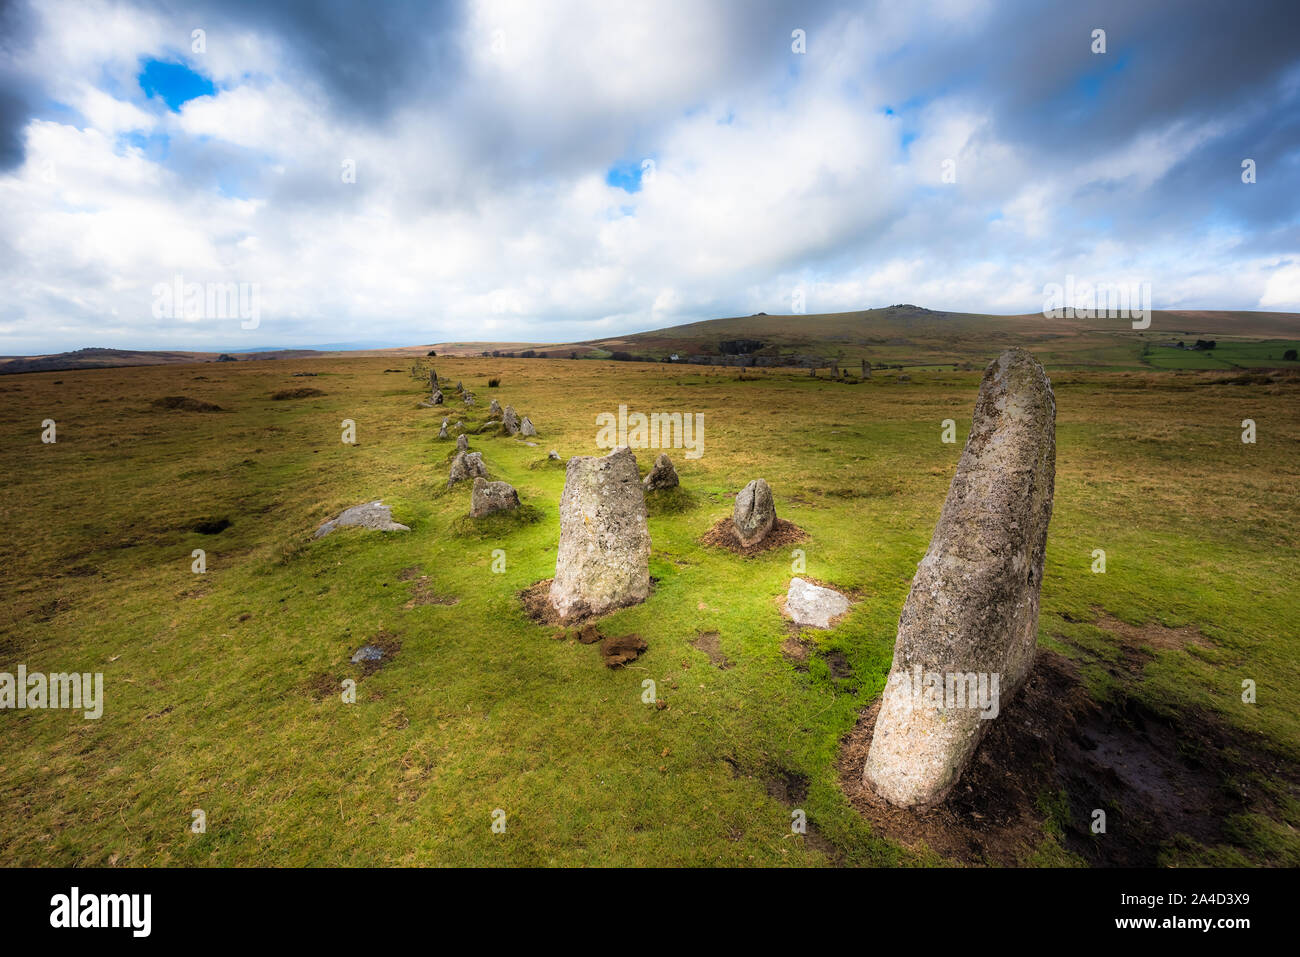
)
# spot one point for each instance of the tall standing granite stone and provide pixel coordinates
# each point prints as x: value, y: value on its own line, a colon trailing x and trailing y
x: 603, y: 561
x: 973, y: 607
x: 755, y: 513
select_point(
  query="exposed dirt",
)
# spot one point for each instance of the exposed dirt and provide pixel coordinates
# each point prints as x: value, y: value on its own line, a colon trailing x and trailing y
x: 618, y: 651
x: 386, y: 642
x: 422, y: 591
x: 797, y: 650
x: 1054, y: 756
x: 185, y: 404
x: 211, y: 526
x: 537, y: 605
x: 710, y: 642
x: 1153, y: 634
x: 723, y: 535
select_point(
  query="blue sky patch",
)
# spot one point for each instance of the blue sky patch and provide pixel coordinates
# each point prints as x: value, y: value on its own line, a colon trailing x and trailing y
x: 174, y: 83
x: 625, y: 176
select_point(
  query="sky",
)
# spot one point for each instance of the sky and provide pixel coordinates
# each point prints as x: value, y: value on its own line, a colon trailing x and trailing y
x: 243, y: 173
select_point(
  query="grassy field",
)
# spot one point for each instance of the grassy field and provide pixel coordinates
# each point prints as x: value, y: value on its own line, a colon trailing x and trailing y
x: 223, y: 688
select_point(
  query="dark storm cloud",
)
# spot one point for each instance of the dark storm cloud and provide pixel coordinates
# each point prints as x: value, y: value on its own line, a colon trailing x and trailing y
x: 18, y: 91
x: 367, y: 57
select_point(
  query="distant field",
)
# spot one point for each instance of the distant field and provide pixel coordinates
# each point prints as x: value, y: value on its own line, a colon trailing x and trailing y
x: 223, y: 688
x: 1227, y: 355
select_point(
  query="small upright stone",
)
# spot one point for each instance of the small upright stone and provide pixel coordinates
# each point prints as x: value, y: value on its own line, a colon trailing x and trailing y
x: 494, y: 408
x: 436, y: 398
x: 462, y: 442
x: 662, y: 475
x: 553, y: 455
x: 510, y: 420
x: 442, y: 432
x: 603, y: 561
x: 460, y: 387
x: 755, y: 513
x: 469, y: 398
x: 488, y: 497
x: 969, y: 629
x: 526, y: 427
x: 466, y: 465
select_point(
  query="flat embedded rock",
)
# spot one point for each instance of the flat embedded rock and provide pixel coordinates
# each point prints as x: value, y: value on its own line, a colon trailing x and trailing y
x: 813, y: 605
x: 373, y: 515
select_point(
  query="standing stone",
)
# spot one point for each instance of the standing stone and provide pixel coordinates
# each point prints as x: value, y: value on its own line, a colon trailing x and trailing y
x: 526, y: 427
x: 663, y: 475
x: 972, y: 612
x: 433, y: 380
x: 469, y: 398
x: 466, y: 465
x: 436, y: 398
x: 603, y: 561
x: 442, y: 433
x: 488, y: 497
x: 510, y: 420
x: 553, y: 455
x: 754, y: 514
x: 494, y: 408
x: 460, y: 387
x: 866, y: 369
x: 462, y: 443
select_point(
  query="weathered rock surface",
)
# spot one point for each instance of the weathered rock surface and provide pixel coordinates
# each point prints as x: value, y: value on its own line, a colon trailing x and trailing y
x: 488, y: 497
x: 494, y: 408
x: 526, y: 427
x: 973, y: 607
x: 469, y: 398
x: 662, y: 475
x: 754, y: 514
x: 603, y: 561
x: 442, y: 432
x: 373, y: 515
x: 466, y: 465
x: 510, y: 420
x: 462, y: 442
x: 553, y: 455
x: 436, y: 398
x: 813, y: 605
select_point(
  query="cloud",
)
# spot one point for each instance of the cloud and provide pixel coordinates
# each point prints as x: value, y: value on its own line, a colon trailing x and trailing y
x: 553, y: 172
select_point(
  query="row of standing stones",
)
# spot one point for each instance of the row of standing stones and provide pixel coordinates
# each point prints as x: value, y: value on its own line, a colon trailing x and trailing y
x: 973, y: 604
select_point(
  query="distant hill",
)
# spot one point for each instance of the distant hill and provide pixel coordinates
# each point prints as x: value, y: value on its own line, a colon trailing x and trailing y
x: 901, y: 335
x: 910, y: 335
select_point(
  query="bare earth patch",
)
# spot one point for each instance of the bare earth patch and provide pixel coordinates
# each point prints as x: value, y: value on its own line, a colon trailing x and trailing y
x: 710, y: 642
x: 1153, y: 634
x: 1053, y: 757
x: 422, y: 591
x: 723, y: 535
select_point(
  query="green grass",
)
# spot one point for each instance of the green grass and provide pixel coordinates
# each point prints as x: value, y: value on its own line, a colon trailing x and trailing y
x: 210, y: 680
